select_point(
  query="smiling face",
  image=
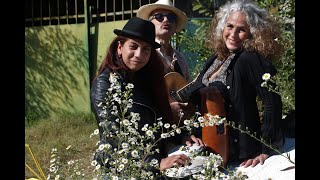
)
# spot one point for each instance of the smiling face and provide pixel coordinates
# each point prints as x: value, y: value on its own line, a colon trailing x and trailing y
x: 236, y: 31
x: 135, y: 53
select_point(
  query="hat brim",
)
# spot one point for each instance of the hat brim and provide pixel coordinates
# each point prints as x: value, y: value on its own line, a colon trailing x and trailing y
x: 130, y: 34
x: 145, y: 11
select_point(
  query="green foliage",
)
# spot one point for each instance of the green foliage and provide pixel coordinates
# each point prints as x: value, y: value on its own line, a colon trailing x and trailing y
x: 284, y: 12
x: 192, y: 44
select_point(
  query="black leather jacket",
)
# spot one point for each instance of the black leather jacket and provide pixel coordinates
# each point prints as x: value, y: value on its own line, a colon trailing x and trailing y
x: 142, y: 104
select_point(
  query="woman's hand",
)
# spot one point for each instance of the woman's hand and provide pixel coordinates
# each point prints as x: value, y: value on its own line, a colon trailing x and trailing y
x: 253, y: 162
x: 174, y: 160
x: 189, y: 140
x: 177, y: 107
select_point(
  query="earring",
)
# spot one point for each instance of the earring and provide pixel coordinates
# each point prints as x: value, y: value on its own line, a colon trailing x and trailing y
x: 120, y: 56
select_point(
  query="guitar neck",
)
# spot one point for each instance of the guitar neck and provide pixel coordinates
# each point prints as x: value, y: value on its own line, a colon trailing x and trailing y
x: 187, y: 90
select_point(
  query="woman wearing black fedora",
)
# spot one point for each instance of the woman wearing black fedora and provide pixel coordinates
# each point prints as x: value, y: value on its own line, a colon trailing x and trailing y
x: 132, y: 57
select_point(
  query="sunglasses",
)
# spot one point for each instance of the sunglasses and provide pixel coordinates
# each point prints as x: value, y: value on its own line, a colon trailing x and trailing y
x: 160, y: 17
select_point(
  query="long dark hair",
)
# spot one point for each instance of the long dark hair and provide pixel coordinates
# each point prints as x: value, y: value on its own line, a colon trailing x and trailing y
x: 150, y: 77
x: 111, y: 59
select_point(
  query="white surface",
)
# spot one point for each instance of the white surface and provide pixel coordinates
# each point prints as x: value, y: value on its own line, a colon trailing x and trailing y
x: 188, y: 150
x: 181, y: 172
x: 196, y: 162
x: 275, y: 167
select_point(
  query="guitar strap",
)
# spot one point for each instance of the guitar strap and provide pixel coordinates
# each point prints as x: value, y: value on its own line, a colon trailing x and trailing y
x: 177, y: 68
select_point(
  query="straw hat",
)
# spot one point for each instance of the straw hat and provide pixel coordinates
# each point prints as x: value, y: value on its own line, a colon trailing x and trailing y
x: 145, y: 11
x: 140, y: 29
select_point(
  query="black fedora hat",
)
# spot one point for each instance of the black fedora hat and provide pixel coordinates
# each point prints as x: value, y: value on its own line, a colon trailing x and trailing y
x: 140, y: 29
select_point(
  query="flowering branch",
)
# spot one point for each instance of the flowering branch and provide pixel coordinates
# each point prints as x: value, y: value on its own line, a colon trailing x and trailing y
x: 247, y: 131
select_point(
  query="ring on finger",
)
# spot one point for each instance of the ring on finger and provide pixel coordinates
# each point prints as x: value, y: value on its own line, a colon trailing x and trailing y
x: 175, y: 164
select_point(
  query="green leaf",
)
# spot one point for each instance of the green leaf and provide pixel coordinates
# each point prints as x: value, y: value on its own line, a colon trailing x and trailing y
x: 196, y: 7
x: 202, y: 11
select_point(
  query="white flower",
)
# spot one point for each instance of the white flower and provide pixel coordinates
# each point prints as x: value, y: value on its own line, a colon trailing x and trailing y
x: 106, y: 160
x: 266, y: 76
x: 125, y: 145
x: 201, y: 119
x: 70, y: 162
x: 101, y: 147
x: 57, y: 177
x: 98, y: 167
x: 94, y: 163
x: 113, y: 78
x: 167, y: 125
x: 52, y: 160
x: 124, y: 160
x: 120, y: 167
x: 164, y: 135
x: 186, y: 122
x: 178, y: 130
x: 264, y: 84
x: 154, y: 161
x: 149, y: 133
x: 52, y: 169
x: 134, y: 153
x: 130, y: 86
x: 126, y: 122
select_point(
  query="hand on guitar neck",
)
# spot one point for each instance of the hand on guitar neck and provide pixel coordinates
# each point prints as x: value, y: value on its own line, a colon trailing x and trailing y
x: 179, y: 91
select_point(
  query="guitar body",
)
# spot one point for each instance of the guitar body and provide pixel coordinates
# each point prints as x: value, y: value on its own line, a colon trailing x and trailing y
x: 175, y: 82
x: 216, y: 137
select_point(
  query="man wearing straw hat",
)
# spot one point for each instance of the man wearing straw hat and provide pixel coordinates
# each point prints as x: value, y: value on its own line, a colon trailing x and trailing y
x: 168, y: 20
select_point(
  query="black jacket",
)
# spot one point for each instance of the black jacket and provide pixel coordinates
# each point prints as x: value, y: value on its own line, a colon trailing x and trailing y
x: 142, y: 104
x: 243, y: 85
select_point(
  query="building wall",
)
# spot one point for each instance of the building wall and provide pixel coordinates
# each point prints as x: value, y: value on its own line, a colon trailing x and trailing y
x: 57, y: 67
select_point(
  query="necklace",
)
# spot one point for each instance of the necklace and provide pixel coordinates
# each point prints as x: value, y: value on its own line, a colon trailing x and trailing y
x: 174, y: 59
x: 168, y: 60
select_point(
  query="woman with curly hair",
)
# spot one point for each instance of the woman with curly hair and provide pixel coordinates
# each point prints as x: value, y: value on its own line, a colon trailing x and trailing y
x: 244, y: 40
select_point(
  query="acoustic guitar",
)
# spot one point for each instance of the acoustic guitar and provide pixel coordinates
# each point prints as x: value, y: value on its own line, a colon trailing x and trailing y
x: 216, y: 137
x: 180, y: 90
